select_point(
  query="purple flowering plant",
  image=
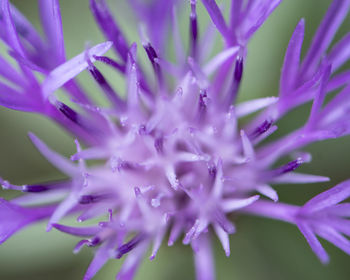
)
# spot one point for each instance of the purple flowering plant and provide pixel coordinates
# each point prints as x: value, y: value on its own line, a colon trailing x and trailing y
x: 174, y: 159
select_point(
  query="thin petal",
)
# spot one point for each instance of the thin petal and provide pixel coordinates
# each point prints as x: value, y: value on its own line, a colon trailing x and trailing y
x: 218, y: 60
x: 248, y: 149
x: 268, y: 191
x: 216, y: 16
x: 14, y: 217
x: 328, y: 198
x: 102, y: 255
x: 290, y: 67
x: 9, y: 73
x: 335, y: 238
x: 313, y: 242
x: 203, y: 258
x: 52, y: 24
x: 78, y: 231
x: 340, y: 53
x: 109, y: 27
x: 132, y: 262
x: 254, y: 105
x: 14, y: 100
x: 224, y: 239
x: 325, y: 33
x: 62, y: 209
x: 299, y: 178
x: 56, y: 159
x: 233, y: 204
x: 10, y: 34
x: 319, y: 97
x: 68, y: 70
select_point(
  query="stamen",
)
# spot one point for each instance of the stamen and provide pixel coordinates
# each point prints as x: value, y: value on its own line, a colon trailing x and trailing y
x: 35, y: 188
x: 152, y: 55
x: 193, y: 29
x: 265, y: 126
x: 108, y: 90
x: 237, y: 77
x: 87, y: 199
x: 289, y: 167
x: 106, y: 60
x: 68, y: 112
x: 109, y: 27
x: 202, y: 107
x: 127, y: 247
x: 158, y: 144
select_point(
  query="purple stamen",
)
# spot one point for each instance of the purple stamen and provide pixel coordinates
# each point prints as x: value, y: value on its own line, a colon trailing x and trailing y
x: 238, y: 73
x: 237, y: 77
x: 203, y: 102
x: 127, y: 247
x: 212, y: 170
x: 109, y: 27
x: 152, y: 55
x: 35, y: 188
x: 289, y: 167
x: 193, y: 29
x: 108, y: 90
x: 106, y: 60
x: 158, y: 144
x: 68, y: 112
x: 94, y: 241
x: 87, y: 199
x: 265, y: 126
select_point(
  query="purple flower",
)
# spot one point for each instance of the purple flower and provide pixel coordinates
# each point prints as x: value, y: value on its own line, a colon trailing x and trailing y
x: 175, y: 158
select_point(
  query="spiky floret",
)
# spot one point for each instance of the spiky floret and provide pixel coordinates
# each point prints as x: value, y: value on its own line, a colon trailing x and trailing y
x: 175, y: 158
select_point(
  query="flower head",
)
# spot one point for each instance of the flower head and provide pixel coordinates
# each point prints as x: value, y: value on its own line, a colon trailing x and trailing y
x: 176, y: 159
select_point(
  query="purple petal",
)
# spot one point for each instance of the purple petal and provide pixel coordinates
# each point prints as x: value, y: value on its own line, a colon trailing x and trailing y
x: 61, y: 210
x: 319, y: 98
x: 256, y: 14
x: 78, y: 231
x: 203, y: 258
x: 268, y: 191
x: 235, y: 13
x: 14, y: 217
x: 328, y: 198
x: 14, y: 100
x: 102, y: 255
x: 63, y: 164
x: 9, y: 73
x: 216, y: 16
x: 325, y: 33
x: 290, y: 67
x: 68, y: 70
x: 132, y: 262
x: 9, y: 29
x: 273, y: 210
x: 26, y: 30
x: 109, y: 27
x: 254, y: 105
x: 340, y: 53
x: 338, y: 81
x: 247, y: 147
x: 313, y: 242
x: 233, y: 204
x: 215, y: 63
x: 341, y: 210
x: 299, y: 178
x: 335, y: 238
x: 52, y: 24
x: 224, y: 239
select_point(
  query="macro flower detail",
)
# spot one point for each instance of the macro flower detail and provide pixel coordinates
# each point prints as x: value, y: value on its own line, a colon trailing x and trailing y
x: 174, y: 159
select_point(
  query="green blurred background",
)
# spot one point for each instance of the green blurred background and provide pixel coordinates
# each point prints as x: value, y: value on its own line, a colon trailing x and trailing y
x: 261, y: 249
